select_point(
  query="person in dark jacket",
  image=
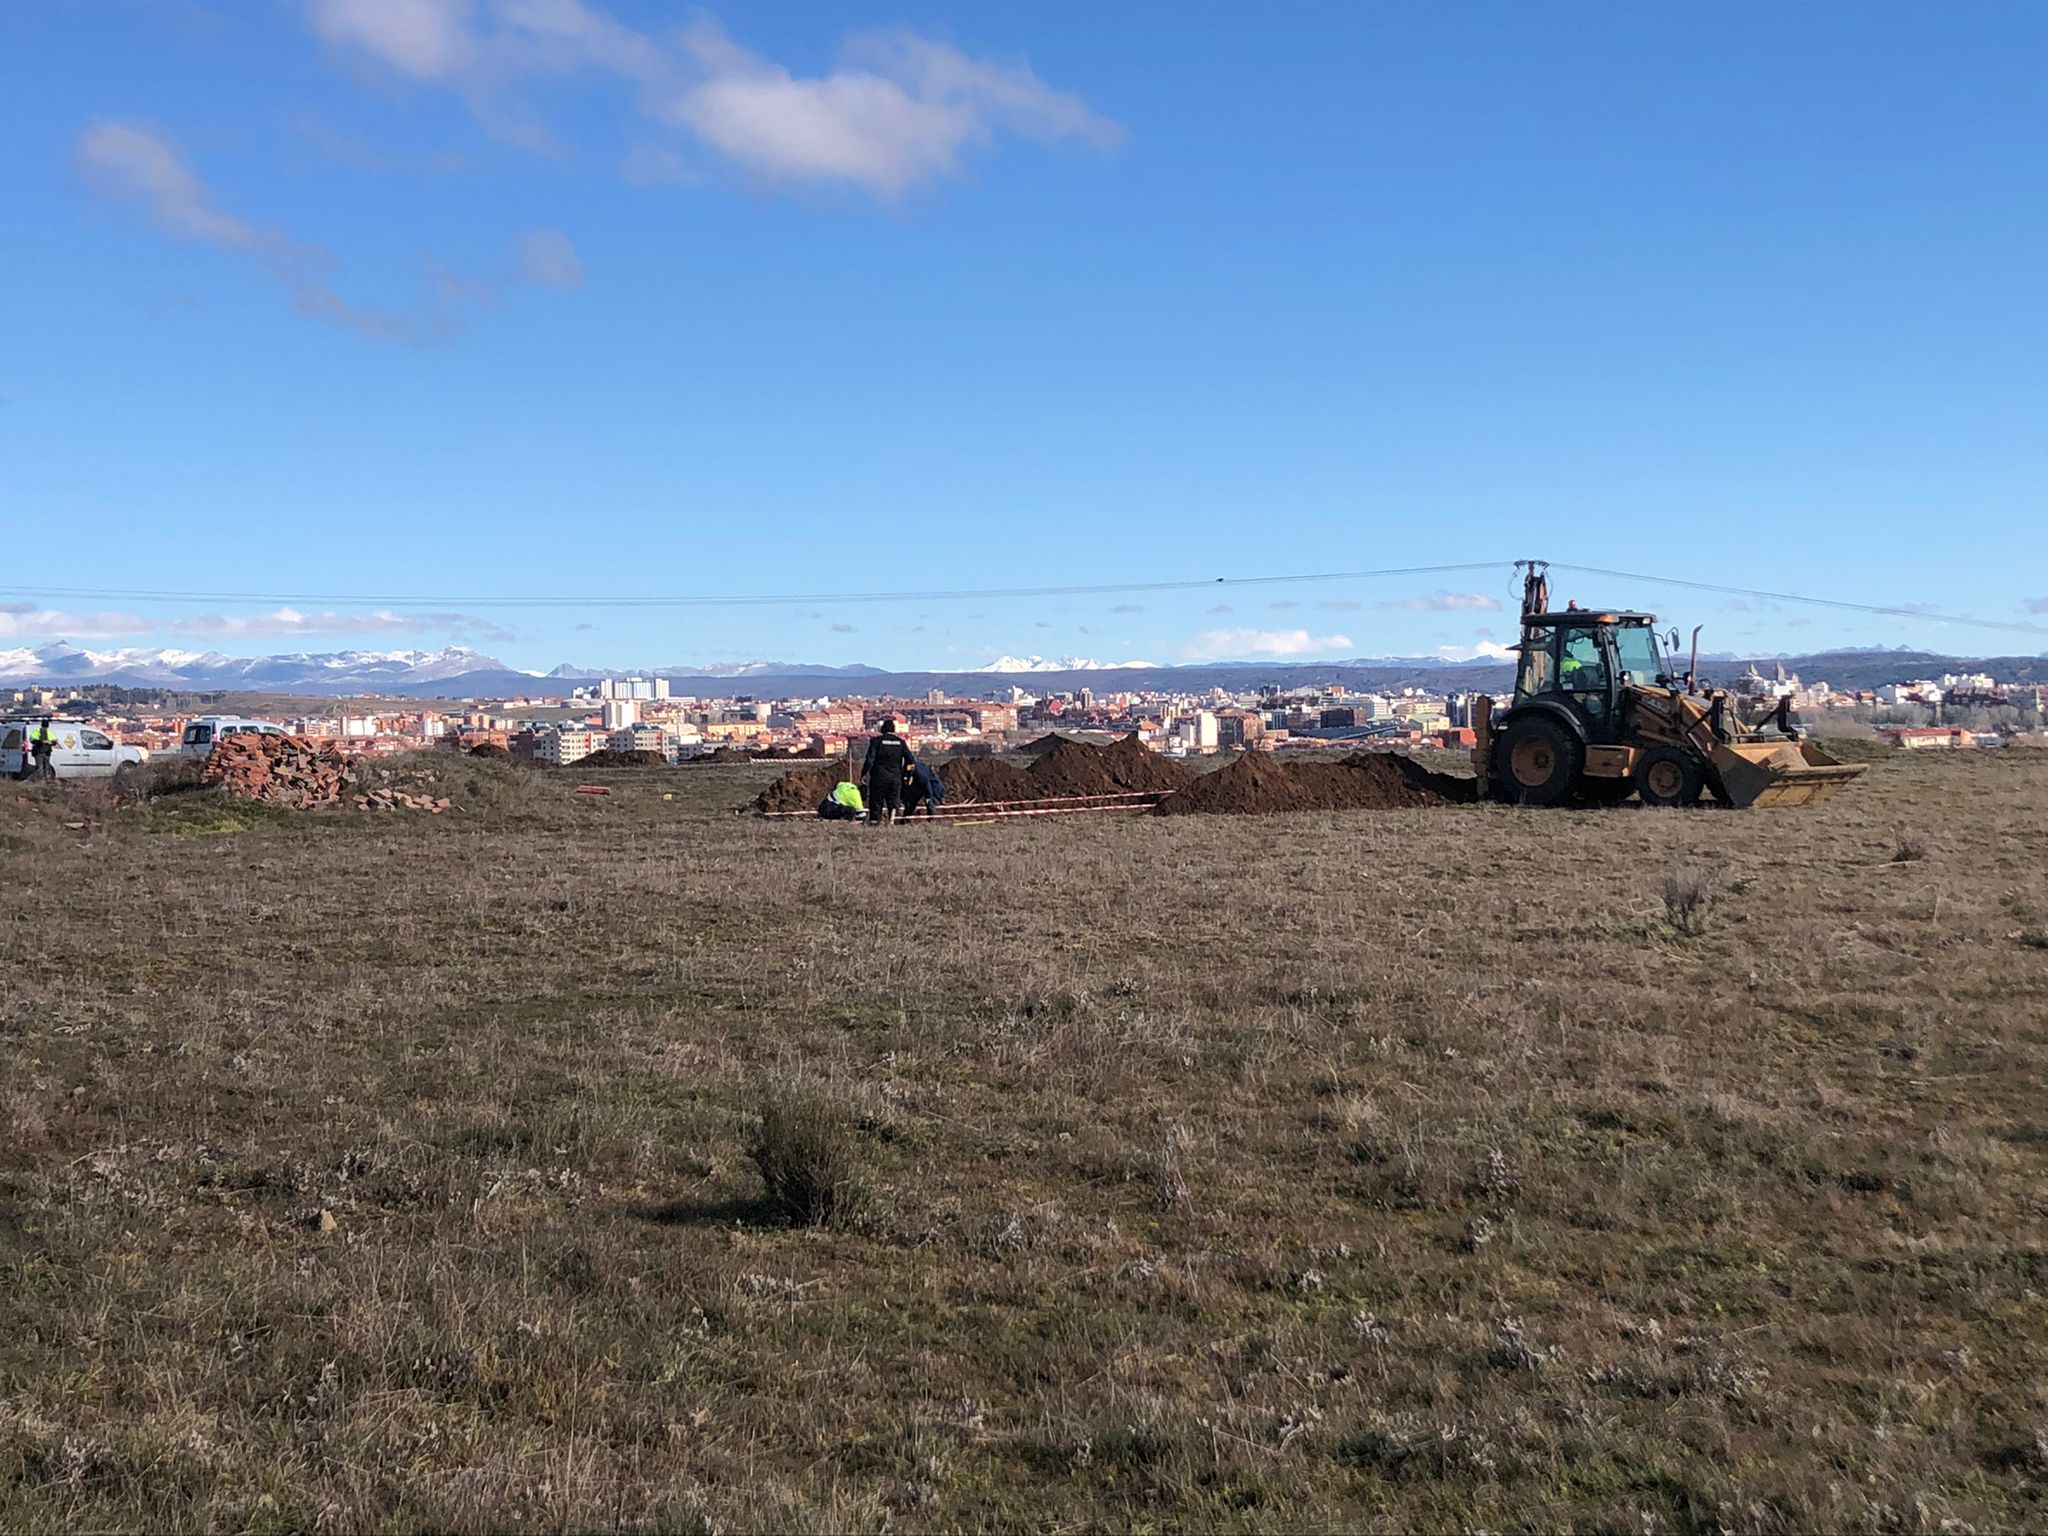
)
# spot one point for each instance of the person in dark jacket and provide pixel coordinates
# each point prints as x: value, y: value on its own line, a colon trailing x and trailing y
x: 883, y: 770
x: 923, y: 789
x: 42, y: 741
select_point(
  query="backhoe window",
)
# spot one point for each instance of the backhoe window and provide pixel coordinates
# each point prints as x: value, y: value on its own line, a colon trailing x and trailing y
x: 1580, y: 667
x: 1635, y: 652
x: 1535, y: 674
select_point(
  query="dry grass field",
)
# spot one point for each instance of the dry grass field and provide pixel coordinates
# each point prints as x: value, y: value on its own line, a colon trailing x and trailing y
x: 1422, y: 1169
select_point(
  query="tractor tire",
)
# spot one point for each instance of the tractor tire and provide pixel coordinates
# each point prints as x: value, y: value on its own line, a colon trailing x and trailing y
x: 1667, y: 776
x: 1537, y: 762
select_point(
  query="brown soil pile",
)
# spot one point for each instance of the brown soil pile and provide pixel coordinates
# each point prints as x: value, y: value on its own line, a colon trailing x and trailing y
x: 981, y: 780
x: 605, y: 757
x: 491, y: 750
x: 1045, y: 744
x: 1126, y: 767
x: 800, y: 789
x: 1258, y: 783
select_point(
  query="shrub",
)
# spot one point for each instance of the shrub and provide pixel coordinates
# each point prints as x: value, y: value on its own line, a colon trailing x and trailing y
x: 1688, y: 893
x: 166, y: 774
x: 804, y: 1149
x: 1910, y: 849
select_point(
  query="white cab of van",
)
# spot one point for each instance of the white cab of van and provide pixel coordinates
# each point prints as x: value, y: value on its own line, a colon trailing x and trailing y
x: 82, y: 751
x: 202, y: 733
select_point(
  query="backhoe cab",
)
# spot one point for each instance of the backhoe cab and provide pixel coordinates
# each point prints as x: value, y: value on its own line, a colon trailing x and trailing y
x: 1600, y: 713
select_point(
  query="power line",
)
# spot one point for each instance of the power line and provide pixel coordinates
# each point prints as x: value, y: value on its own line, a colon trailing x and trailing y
x: 1092, y: 589
x: 711, y: 600
x: 1916, y: 612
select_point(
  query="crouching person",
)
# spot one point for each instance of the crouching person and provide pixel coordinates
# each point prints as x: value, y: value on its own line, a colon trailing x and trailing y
x: 843, y: 804
x: 923, y: 788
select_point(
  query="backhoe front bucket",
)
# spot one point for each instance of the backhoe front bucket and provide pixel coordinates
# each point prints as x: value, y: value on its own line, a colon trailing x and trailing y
x: 1764, y: 772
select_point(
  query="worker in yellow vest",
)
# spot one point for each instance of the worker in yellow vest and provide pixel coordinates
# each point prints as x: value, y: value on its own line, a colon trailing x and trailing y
x: 843, y: 804
x: 41, y: 743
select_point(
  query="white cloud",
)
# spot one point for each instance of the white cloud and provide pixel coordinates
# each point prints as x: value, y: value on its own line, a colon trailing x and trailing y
x: 1227, y: 644
x: 26, y: 621
x: 42, y: 624
x: 1478, y: 650
x: 136, y: 164
x: 899, y: 110
x: 125, y: 160
x: 429, y: 38
x: 547, y: 259
x: 1454, y: 602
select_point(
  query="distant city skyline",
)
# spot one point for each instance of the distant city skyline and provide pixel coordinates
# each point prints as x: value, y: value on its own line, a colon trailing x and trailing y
x: 464, y: 672
x: 514, y: 300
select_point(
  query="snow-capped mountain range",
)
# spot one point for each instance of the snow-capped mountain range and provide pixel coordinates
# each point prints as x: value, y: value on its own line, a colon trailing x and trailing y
x: 458, y: 672
x: 1061, y: 664
x: 721, y: 669
x: 341, y: 672
x: 332, y: 672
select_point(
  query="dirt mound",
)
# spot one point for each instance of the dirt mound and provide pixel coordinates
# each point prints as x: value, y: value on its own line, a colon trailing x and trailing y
x: 983, y: 779
x: 605, y: 757
x: 1125, y: 767
x: 800, y: 789
x: 491, y: 750
x: 1258, y: 783
x: 1045, y: 744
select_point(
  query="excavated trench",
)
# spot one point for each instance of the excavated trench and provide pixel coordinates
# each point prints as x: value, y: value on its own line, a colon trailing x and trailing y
x: 1258, y: 783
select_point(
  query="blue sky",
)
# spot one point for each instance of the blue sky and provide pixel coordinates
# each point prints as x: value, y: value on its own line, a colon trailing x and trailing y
x: 526, y: 298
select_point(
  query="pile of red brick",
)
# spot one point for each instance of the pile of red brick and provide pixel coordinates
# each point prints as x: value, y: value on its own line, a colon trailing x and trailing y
x: 278, y: 770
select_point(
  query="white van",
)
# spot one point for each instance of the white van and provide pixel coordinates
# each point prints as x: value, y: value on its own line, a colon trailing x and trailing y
x: 82, y: 751
x: 202, y: 733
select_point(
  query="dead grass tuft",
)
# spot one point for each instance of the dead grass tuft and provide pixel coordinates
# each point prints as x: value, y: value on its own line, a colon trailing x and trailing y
x: 1169, y: 1180
x: 1689, y: 894
x: 804, y: 1146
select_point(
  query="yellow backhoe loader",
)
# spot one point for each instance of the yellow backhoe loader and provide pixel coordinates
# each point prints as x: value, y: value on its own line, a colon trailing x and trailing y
x: 1600, y: 713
